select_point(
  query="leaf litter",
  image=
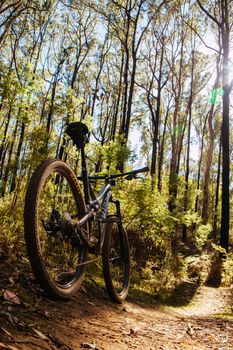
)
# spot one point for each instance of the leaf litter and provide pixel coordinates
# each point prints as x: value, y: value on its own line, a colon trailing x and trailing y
x: 90, y: 321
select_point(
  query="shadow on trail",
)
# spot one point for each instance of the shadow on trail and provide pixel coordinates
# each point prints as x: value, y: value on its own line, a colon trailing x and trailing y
x: 143, y: 298
x: 230, y: 301
x: 214, y: 278
x: 183, y: 294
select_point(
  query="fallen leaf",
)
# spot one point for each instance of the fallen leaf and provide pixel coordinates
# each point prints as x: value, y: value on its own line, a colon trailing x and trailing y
x: 211, y: 337
x: 40, y: 334
x: 32, y: 324
x: 11, y: 297
x: 47, y: 314
x: 133, y: 331
x: 89, y: 346
x: 186, y: 342
x: 58, y: 342
x: 12, y: 347
x: 11, y: 280
x: 190, y: 331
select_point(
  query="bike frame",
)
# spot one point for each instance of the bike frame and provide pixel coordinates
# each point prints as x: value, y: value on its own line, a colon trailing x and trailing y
x: 93, y: 203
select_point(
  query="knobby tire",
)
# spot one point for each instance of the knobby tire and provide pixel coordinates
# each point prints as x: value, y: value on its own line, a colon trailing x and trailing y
x: 32, y: 226
x: 116, y: 251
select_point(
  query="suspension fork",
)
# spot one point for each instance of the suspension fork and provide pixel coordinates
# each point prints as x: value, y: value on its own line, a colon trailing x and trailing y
x: 120, y: 227
x: 118, y: 208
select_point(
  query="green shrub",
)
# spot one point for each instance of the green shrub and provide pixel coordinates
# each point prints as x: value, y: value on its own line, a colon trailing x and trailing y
x: 11, y: 225
x: 201, y: 234
x: 161, y: 277
x: 152, y: 232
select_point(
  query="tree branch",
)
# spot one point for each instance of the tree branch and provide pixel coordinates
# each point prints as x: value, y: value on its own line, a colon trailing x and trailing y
x: 9, y: 6
x: 208, y: 14
x: 199, y: 36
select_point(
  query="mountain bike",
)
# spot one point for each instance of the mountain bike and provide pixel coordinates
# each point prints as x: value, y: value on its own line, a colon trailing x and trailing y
x: 68, y: 228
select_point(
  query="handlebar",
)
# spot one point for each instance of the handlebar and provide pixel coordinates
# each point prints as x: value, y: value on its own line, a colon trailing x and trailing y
x: 129, y: 174
x: 133, y: 172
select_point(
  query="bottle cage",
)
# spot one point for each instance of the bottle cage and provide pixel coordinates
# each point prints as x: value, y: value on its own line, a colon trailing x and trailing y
x: 79, y: 133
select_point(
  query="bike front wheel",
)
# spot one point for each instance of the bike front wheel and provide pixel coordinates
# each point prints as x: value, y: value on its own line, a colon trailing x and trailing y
x: 116, y: 260
x: 54, y: 201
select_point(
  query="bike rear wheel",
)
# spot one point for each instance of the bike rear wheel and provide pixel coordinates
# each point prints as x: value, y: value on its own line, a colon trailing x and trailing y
x: 116, y: 260
x: 53, y: 201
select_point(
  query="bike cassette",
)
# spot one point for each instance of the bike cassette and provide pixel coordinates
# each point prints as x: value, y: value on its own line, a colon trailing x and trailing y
x: 69, y: 231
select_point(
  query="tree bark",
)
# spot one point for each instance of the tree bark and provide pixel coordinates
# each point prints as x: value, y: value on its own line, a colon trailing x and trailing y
x: 225, y: 220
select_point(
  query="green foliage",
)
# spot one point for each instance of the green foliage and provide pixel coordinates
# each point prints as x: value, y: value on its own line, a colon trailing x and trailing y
x: 40, y: 150
x: 69, y: 63
x: 11, y: 225
x: 189, y: 218
x: 72, y: 103
x: 111, y: 153
x: 115, y: 152
x: 226, y: 260
x: 156, y: 266
x: 146, y: 210
x: 201, y: 234
x: 161, y: 277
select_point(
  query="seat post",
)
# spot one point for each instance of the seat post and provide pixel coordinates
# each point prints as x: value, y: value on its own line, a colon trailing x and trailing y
x: 85, y: 177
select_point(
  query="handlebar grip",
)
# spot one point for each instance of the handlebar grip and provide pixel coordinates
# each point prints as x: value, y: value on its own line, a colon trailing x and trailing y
x: 142, y: 170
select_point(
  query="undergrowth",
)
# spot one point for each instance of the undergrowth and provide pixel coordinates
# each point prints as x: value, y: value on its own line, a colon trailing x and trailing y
x: 11, y: 225
x: 160, y: 262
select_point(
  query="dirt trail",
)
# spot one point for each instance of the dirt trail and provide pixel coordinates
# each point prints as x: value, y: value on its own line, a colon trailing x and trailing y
x: 209, y: 301
x: 90, y: 320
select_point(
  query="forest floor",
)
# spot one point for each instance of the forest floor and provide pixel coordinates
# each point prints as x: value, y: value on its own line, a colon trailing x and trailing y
x: 90, y: 320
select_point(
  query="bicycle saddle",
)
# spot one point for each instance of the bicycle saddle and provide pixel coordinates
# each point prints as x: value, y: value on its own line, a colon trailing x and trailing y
x: 79, y: 133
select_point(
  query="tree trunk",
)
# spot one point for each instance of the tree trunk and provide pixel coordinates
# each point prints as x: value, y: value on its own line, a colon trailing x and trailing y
x: 17, y: 158
x: 214, y: 234
x: 224, y: 236
x: 7, y: 168
x: 161, y: 151
x: 210, y: 150
x: 156, y: 118
x: 3, y: 145
x: 184, y: 232
x: 200, y: 164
